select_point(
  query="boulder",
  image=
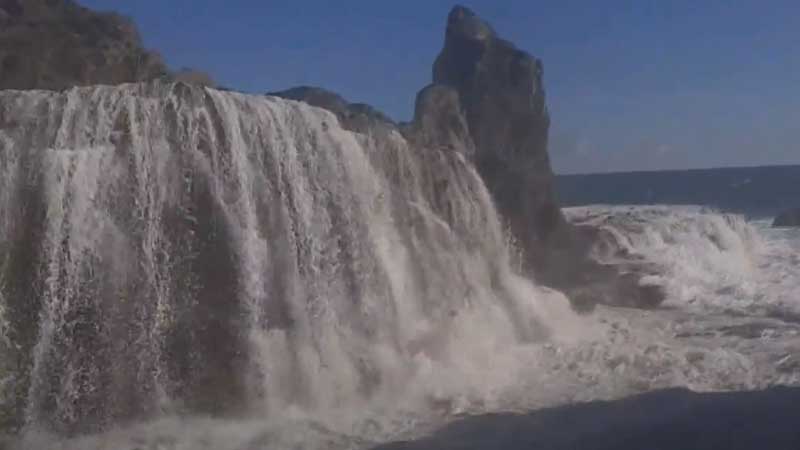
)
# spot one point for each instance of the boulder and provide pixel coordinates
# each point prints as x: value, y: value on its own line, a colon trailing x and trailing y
x: 789, y: 218
x: 487, y: 101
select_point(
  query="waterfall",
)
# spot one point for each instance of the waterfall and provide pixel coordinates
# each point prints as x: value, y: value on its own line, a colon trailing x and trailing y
x: 167, y: 249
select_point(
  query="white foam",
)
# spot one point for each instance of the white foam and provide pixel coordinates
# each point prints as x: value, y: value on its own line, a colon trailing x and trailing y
x: 706, y: 260
x: 402, y: 299
x: 441, y: 326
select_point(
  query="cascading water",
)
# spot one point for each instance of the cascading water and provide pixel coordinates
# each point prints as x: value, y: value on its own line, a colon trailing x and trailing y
x: 705, y: 259
x: 184, y: 268
x: 166, y: 249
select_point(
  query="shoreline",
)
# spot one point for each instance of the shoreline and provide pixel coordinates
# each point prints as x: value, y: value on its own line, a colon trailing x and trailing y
x: 670, y: 419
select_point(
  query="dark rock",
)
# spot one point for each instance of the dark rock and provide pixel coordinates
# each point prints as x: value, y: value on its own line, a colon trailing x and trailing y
x: 57, y: 44
x: 192, y: 76
x: 488, y: 103
x: 10, y: 8
x: 788, y: 219
x: 439, y: 121
x: 669, y: 419
x: 356, y: 117
x: 501, y: 92
x: 502, y: 99
x: 580, y: 272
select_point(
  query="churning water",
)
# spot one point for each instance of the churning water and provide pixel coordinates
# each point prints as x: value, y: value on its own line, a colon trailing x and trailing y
x: 182, y: 268
x: 169, y: 250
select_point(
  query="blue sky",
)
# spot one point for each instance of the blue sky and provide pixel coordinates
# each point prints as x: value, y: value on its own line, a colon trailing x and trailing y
x: 638, y: 84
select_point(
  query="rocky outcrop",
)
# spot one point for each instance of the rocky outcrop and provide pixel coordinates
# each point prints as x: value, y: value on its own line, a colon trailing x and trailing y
x: 501, y: 94
x: 439, y: 121
x: 56, y: 44
x: 487, y: 101
x: 358, y: 117
x: 660, y: 420
x: 503, y: 99
x: 789, y: 218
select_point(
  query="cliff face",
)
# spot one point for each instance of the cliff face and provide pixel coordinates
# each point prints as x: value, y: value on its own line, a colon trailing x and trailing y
x: 487, y: 102
x: 503, y: 99
x: 790, y: 218
x: 357, y: 117
x: 166, y: 241
x: 56, y: 44
x: 439, y: 121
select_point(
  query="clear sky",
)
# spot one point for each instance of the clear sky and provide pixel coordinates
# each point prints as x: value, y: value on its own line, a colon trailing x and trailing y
x: 637, y: 84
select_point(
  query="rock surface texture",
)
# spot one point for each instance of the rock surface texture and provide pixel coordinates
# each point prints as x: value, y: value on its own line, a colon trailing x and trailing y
x: 503, y: 99
x: 439, y: 121
x: 57, y: 44
x: 487, y: 101
x: 662, y: 420
x: 789, y: 218
x: 357, y: 117
x: 165, y: 243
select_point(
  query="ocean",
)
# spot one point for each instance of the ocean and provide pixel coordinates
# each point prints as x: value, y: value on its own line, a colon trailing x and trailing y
x: 755, y: 191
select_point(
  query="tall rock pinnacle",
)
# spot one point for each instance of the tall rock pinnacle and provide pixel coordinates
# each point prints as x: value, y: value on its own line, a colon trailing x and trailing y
x: 501, y: 92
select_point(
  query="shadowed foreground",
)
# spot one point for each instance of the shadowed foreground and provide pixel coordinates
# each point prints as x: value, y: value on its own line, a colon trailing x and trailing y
x: 671, y: 419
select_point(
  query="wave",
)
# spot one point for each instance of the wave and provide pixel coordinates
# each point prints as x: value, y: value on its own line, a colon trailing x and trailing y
x: 706, y: 260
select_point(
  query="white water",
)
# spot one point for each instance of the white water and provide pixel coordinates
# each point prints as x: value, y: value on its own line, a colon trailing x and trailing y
x: 708, y: 261
x: 733, y: 294
x: 214, y: 253
x: 619, y: 352
x: 370, y: 307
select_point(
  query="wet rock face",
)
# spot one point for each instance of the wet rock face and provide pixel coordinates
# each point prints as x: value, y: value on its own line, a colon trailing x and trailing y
x: 57, y: 44
x: 439, y: 121
x: 502, y: 95
x: 356, y: 117
x: 487, y: 102
x: 786, y: 219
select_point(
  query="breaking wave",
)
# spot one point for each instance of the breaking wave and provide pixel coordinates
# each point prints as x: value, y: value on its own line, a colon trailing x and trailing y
x: 706, y: 260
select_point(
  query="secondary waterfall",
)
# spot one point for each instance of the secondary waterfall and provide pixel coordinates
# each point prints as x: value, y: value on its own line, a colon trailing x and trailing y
x: 167, y: 249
